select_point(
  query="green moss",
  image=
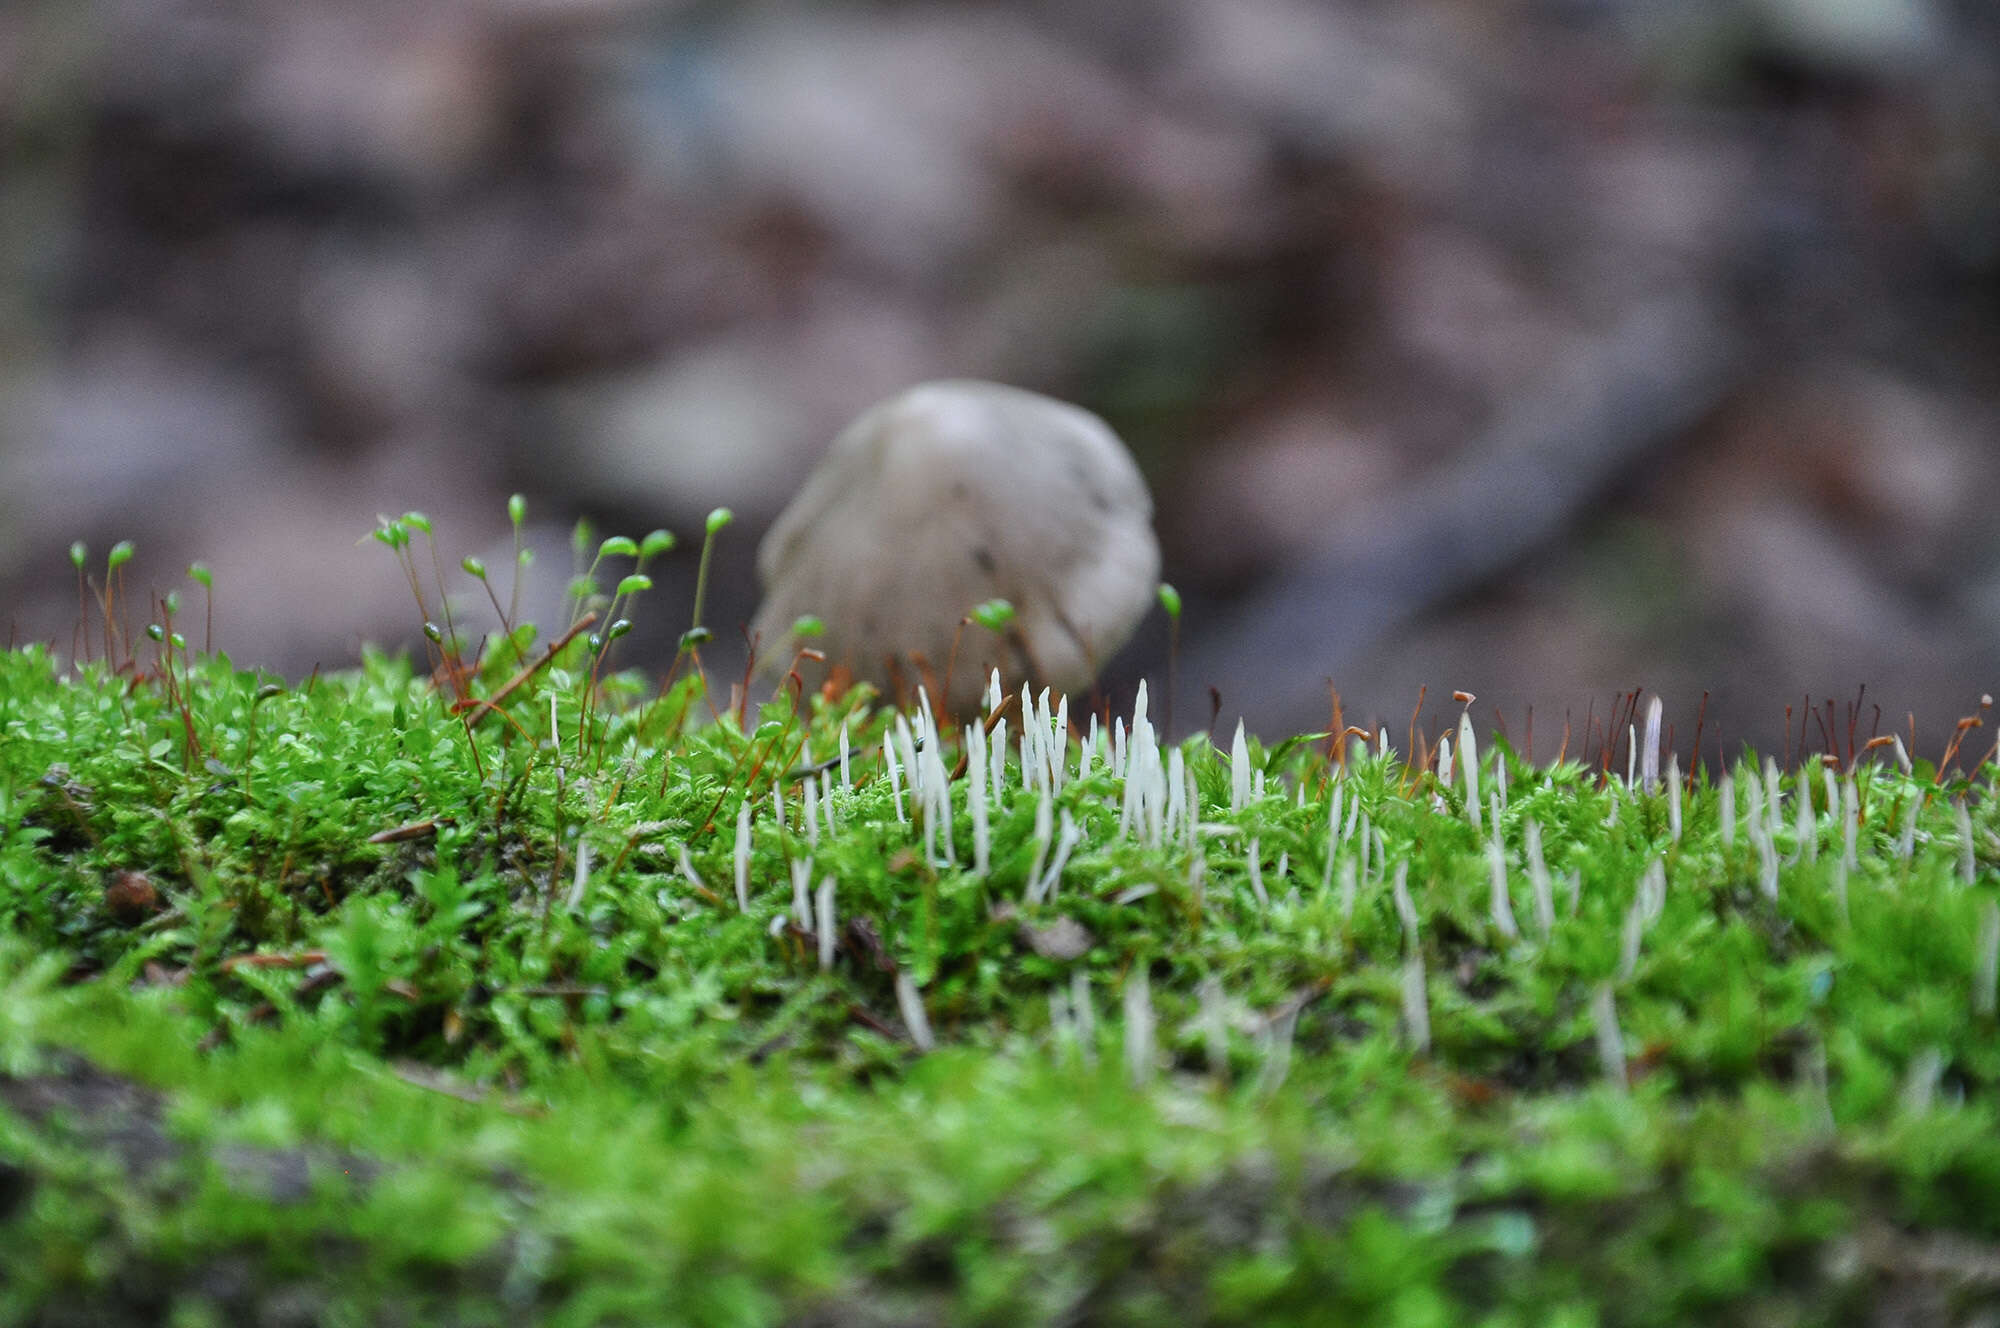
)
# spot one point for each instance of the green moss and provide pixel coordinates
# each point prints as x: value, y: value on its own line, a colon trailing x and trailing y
x: 375, y: 1046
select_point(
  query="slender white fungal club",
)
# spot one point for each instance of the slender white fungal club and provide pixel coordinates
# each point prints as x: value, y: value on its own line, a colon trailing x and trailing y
x: 1044, y: 832
x: 1416, y: 1004
x: 1333, y: 810
x: 1059, y: 742
x: 996, y: 774
x: 742, y: 860
x: 895, y: 774
x: 1239, y: 770
x: 1767, y: 863
x: 1502, y: 907
x: 1631, y: 937
x: 1406, y: 908
x: 1179, y: 801
x: 826, y: 927
x: 1610, y: 1041
x: 1538, y: 880
x: 1646, y: 908
x: 930, y: 836
x: 975, y: 798
x: 906, y: 745
x: 1850, y: 820
x: 1468, y: 754
x: 1674, y: 796
x: 1214, y: 1026
x: 1278, y: 1035
x: 1649, y: 755
x: 802, y: 909
x: 1967, y: 865
x: 1805, y: 829
x: 910, y: 1004
x: 1139, y: 1023
x: 1066, y: 841
x: 1774, y: 797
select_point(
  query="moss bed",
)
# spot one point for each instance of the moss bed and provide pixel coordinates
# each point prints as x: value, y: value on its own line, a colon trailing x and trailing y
x: 397, y: 997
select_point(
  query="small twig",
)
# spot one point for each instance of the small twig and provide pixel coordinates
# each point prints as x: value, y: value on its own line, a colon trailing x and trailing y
x: 482, y: 704
x: 298, y: 959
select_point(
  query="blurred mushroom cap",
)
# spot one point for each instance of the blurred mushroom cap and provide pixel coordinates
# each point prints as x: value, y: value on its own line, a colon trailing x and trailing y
x: 941, y: 498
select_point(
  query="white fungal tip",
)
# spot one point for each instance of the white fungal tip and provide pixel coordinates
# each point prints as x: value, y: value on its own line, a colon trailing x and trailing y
x: 1139, y: 1025
x: 1468, y: 757
x: 825, y: 924
x: 1649, y: 755
x: 1502, y: 907
x: 1610, y: 1041
x: 1416, y: 1004
x: 1239, y: 770
x: 910, y: 1004
x: 742, y: 857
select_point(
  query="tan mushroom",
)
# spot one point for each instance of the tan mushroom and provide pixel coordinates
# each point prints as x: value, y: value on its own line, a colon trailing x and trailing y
x: 943, y: 497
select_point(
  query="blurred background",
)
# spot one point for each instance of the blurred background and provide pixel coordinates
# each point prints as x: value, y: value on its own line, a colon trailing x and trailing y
x: 1542, y: 349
